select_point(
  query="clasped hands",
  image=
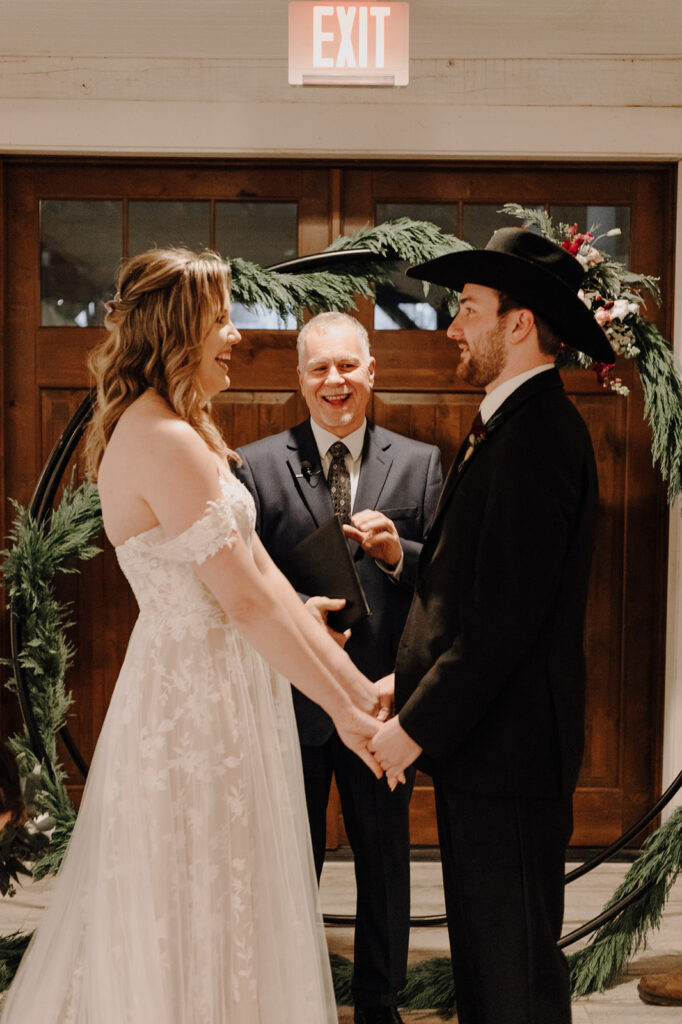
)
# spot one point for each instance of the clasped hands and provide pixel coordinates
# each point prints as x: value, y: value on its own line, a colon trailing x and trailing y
x: 392, y: 748
x: 389, y: 749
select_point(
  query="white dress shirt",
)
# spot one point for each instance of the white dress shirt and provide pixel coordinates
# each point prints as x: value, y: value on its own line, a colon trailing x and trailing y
x: 494, y: 399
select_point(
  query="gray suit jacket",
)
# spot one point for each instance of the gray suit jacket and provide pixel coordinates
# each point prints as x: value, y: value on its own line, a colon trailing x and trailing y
x: 398, y: 476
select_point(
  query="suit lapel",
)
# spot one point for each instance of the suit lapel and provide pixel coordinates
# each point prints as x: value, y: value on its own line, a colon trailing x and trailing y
x: 544, y: 381
x: 376, y: 462
x: 311, y: 485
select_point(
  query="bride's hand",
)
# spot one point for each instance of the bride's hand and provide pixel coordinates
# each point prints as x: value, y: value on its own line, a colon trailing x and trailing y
x: 365, y: 696
x: 356, y: 728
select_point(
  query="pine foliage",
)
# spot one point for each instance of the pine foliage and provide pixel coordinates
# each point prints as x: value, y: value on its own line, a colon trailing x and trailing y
x: 393, y: 243
x: 38, y: 553
x: 662, y: 404
x: 614, y: 944
x: 429, y: 985
x: 12, y: 948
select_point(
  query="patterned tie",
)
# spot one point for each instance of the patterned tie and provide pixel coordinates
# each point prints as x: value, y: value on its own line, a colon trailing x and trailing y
x: 338, y: 481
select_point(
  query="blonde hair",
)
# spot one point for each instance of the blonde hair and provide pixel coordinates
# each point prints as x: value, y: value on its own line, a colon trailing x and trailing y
x: 166, y: 302
x: 326, y: 321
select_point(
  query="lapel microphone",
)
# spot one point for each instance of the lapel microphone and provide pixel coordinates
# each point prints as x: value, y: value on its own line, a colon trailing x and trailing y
x: 307, y: 472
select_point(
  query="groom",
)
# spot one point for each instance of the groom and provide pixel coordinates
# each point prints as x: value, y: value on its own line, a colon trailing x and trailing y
x: 490, y: 673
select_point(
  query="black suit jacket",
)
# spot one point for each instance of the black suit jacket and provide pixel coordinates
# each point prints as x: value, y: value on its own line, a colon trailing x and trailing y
x: 398, y: 476
x: 490, y: 672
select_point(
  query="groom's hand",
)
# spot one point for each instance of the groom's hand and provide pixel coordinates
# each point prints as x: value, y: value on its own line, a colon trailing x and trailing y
x: 394, y: 750
x: 385, y: 688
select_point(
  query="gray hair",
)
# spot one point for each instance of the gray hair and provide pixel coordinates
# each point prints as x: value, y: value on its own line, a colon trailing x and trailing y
x: 323, y: 322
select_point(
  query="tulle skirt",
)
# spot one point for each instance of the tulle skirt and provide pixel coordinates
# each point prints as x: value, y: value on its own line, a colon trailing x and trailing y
x: 187, y: 895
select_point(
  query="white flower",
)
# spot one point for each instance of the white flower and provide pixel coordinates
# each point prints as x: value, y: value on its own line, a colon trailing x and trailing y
x: 620, y: 309
x: 589, y: 257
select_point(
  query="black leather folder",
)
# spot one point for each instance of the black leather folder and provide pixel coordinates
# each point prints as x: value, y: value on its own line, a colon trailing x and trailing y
x: 322, y: 564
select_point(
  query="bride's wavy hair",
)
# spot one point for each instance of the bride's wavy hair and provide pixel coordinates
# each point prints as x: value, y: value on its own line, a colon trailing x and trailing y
x: 165, y: 304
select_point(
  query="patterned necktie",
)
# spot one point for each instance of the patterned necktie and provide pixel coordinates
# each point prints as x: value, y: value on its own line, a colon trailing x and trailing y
x: 338, y: 480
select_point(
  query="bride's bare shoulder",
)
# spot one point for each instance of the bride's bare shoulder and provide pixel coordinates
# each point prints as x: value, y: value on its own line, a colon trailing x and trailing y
x: 150, y: 437
x: 149, y: 425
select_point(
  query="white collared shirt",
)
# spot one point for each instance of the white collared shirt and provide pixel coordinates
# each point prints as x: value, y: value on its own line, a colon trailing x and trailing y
x: 494, y: 399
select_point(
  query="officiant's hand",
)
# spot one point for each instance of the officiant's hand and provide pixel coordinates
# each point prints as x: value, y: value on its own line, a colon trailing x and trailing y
x: 376, y: 534
x: 394, y: 750
x: 319, y: 607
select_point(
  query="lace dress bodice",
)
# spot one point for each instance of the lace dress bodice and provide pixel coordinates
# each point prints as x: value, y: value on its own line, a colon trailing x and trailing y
x: 160, y: 570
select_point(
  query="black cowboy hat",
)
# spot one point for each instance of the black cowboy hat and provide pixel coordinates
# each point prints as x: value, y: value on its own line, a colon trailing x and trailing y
x: 534, y: 271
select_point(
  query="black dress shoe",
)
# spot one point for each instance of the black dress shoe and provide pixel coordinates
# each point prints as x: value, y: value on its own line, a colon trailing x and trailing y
x: 377, y: 1015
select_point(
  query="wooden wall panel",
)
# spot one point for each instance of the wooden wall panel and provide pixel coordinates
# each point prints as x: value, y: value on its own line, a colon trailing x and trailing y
x: 246, y: 416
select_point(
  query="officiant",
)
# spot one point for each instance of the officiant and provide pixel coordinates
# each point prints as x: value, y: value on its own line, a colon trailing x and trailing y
x: 385, y: 487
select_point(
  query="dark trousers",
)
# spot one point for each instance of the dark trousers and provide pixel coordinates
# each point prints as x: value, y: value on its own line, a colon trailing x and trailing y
x: 503, y: 868
x: 377, y: 824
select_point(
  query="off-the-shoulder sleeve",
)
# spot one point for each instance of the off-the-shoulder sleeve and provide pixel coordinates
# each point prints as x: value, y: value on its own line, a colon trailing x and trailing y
x: 215, y: 529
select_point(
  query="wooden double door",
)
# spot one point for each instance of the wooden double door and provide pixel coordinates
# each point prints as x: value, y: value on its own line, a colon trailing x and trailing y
x: 66, y: 225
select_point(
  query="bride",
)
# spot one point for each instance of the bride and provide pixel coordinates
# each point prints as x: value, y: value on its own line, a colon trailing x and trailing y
x: 188, y: 895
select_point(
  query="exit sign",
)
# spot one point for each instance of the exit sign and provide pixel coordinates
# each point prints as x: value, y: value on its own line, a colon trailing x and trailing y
x: 349, y: 44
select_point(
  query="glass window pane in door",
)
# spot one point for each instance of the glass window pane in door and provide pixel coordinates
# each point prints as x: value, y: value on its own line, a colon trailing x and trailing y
x: 481, y: 220
x: 599, y: 220
x: 403, y: 305
x: 80, y: 252
x: 265, y: 233
x: 155, y: 224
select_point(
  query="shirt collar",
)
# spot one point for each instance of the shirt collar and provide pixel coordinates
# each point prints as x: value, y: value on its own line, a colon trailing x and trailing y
x: 353, y: 442
x: 494, y: 399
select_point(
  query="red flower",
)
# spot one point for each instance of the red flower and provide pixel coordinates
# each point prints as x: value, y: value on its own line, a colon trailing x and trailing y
x: 603, y: 372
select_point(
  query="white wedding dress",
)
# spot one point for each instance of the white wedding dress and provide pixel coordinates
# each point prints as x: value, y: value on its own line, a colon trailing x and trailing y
x: 187, y: 895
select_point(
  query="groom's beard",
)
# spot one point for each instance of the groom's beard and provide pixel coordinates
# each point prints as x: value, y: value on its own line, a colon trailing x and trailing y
x: 484, y: 359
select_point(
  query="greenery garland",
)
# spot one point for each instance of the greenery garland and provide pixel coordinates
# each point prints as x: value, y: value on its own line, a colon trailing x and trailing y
x: 616, y: 296
x: 39, y: 551
x: 395, y: 242
x: 614, y: 944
